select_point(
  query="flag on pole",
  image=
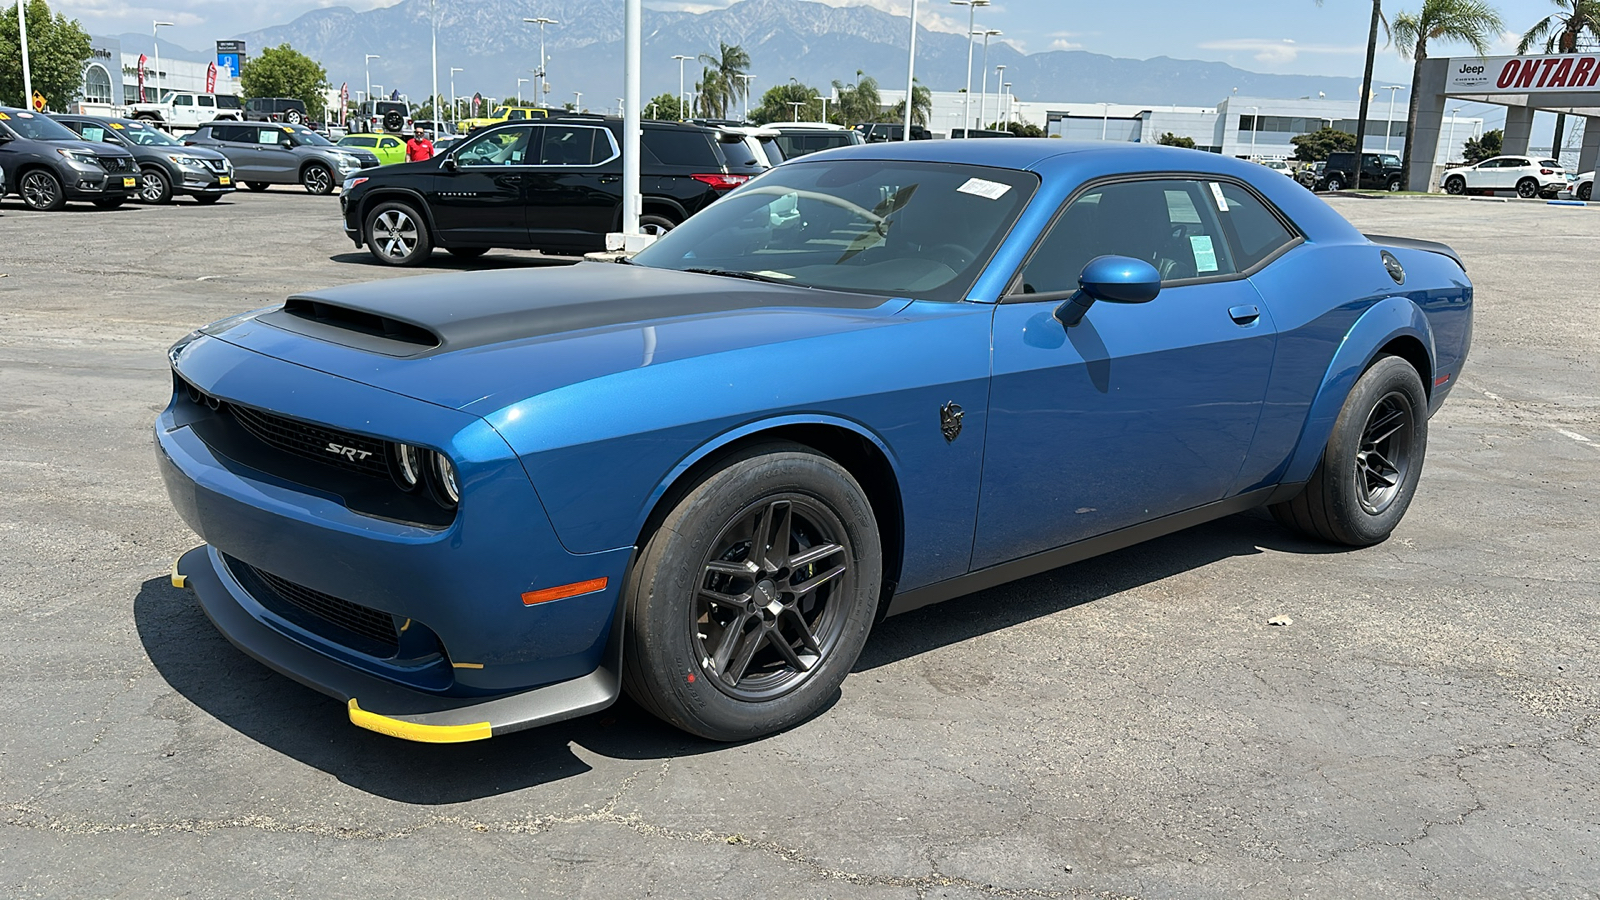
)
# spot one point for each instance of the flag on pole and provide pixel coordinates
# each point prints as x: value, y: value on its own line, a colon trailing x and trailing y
x: 142, y: 59
x: 344, y: 102
x: 211, y: 78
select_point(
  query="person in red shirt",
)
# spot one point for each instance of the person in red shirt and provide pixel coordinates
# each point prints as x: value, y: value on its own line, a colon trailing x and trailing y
x: 419, y: 147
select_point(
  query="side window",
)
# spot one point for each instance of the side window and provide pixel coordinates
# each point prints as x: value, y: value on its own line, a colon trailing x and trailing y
x: 207, y: 101
x: 574, y: 145
x: 1171, y: 224
x: 95, y: 134
x: 182, y: 100
x: 680, y: 148
x: 504, y: 147
x: 516, y: 114
x: 388, y: 143
x: 1252, y: 229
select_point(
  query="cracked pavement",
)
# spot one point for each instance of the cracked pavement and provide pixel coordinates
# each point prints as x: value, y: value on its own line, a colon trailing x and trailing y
x: 1126, y: 727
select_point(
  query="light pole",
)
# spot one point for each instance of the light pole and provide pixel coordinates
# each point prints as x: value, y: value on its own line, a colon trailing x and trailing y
x: 1450, y: 142
x: 619, y: 107
x: 797, y: 104
x: 577, y: 104
x: 520, y: 83
x: 370, y: 58
x: 983, y: 97
x: 746, y: 79
x: 1105, y: 118
x: 911, y: 73
x: 999, y: 80
x: 1255, y: 129
x: 1005, y: 91
x: 454, y: 115
x: 1389, y: 128
x: 972, y: 14
x: 824, y: 106
x: 681, y: 104
x: 433, y: 68
x: 27, y: 71
x: 540, y: 89
x: 155, y: 34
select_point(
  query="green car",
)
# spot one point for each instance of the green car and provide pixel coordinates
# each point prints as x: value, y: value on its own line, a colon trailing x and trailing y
x: 389, y: 149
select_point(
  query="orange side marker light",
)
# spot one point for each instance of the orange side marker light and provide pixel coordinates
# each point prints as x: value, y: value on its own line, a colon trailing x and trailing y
x: 575, y: 589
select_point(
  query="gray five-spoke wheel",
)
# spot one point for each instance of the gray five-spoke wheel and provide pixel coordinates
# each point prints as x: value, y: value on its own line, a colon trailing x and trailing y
x: 766, y: 613
x: 1384, y: 456
x: 40, y: 190
x: 394, y: 233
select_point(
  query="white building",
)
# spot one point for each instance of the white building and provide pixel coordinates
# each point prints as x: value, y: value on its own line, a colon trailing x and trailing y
x: 1246, y: 127
x: 111, y: 77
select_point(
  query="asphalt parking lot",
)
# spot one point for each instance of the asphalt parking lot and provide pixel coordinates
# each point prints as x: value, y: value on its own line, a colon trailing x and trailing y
x: 1126, y: 727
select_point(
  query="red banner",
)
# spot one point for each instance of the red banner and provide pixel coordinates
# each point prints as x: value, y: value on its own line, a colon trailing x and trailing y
x: 211, y: 78
x: 344, y: 101
x: 142, y: 58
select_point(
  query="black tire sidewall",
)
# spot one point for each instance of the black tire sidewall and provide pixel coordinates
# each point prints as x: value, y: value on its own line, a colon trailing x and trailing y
x: 662, y: 222
x: 419, y: 253
x: 664, y: 673
x: 1529, y: 195
x: 1349, y: 521
x: 1585, y: 192
x: 60, y: 192
x: 1335, y: 184
x: 1456, y: 186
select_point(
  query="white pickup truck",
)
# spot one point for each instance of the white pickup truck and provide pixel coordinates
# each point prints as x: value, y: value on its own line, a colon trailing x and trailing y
x: 185, y: 109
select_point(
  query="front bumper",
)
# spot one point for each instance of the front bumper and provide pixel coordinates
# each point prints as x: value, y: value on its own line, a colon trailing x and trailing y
x: 488, y: 658
x: 81, y: 185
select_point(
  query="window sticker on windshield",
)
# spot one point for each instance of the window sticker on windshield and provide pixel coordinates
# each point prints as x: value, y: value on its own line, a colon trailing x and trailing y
x: 988, y: 190
x: 1205, y: 255
x: 1222, y: 202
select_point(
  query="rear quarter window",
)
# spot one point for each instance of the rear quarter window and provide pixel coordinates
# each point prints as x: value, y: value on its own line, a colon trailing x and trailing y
x: 680, y: 148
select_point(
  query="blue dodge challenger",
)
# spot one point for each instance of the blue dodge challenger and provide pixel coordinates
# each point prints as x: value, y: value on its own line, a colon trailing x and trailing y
x: 867, y: 381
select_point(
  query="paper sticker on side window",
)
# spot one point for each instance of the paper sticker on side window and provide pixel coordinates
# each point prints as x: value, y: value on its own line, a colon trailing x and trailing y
x: 1222, y: 202
x: 989, y: 190
x: 1205, y: 255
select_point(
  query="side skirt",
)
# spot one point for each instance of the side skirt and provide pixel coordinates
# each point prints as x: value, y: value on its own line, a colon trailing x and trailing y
x: 994, y: 576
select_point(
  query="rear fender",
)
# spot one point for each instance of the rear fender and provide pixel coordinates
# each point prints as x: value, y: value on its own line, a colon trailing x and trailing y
x: 1385, y: 321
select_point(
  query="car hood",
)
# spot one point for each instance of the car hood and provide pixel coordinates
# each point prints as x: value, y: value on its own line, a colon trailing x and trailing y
x: 97, y: 149
x: 482, y: 341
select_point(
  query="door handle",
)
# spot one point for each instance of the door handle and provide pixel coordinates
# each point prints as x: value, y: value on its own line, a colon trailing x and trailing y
x: 1244, y: 315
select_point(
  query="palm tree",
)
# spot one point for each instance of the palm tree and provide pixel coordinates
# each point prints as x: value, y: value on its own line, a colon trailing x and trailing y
x: 720, y: 84
x: 1559, y: 33
x: 1470, y: 22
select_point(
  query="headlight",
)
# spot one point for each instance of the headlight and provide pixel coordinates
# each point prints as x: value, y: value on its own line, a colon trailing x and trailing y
x: 448, y: 488
x: 406, y: 462
x: 188, y: 161
x: 352, y: 181
x: 81, y: 157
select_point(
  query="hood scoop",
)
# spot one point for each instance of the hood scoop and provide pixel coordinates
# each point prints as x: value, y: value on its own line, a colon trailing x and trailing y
x: 351, y: 327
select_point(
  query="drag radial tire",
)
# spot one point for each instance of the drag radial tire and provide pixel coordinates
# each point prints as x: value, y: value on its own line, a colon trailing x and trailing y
x: 750, y: 601
x: 1371, y: 465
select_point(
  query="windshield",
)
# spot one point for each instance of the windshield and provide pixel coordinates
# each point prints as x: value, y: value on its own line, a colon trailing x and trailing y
x: 902, y: 229
x: 37, y: 127
x: 305, y: 135
x: 146, y: 136
x: 499, y: 113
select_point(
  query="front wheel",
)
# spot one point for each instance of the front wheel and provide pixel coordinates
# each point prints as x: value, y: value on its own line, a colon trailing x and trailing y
x: 1527, y: 189
x: 1584, y: 190
x: 155, y: 186
x: 1393, y: 185
x: 1372, y: 463
x: 397, y: 236
x: 317, y: 180
x: 41, y: 191
x: 751, y: 601
x: 1456, y: 185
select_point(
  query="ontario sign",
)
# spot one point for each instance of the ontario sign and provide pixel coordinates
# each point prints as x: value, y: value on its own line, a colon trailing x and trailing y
x: 1523, y: 74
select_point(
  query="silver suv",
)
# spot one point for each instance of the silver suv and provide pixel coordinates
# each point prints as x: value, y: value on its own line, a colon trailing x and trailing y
x: 265, y: 153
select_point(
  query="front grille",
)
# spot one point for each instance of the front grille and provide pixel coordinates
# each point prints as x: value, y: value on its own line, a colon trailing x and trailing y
x: 116, y: 163
x: 355, y: 453
x: 217, y: 165
x: 373, y: 625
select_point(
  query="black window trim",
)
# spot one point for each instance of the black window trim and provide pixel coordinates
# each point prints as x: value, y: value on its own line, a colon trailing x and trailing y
x: 1013, y: 292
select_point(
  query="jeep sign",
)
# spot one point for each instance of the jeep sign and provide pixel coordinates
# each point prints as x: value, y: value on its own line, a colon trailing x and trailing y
x: 1523, y: 74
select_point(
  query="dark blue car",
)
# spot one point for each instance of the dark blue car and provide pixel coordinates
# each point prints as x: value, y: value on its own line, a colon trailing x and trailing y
x: 868, y: 380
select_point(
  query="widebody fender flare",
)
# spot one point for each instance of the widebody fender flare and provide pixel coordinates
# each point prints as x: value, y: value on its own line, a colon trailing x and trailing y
x: 1382, y: 323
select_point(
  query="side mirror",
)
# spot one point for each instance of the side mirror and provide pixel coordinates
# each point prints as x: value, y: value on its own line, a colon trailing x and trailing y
x: 1111, y: 279
x: 449, y: 164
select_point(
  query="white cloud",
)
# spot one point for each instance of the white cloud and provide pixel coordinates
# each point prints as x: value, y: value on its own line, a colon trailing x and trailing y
x: 1064, y: 44
x: 1276, y: 52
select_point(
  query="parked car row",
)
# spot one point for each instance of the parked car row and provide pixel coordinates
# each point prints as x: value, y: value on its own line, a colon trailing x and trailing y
x: 48, y: 165
x: 1528, y: 176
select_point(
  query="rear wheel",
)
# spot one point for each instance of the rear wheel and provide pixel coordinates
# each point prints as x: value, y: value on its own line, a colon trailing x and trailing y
x: 41, y: 191
x: 155, y: 186
x: 1527, y: 189
x: 317, y: 179
x: 1393, y: 185
x: 656, y: 224
x: 1456, y: 185
x: 750, y: 603
x: 257, y: 186
x: 1584, y: 190
x: 1372, y: 463
x: 1335, y: 183
x: 397, y: 236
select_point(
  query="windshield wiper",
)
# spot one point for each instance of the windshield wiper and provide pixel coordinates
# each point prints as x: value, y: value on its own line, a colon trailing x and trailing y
x: 740, y: 273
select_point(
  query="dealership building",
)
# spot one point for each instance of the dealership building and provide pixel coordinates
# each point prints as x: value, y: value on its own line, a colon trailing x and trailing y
x: 1246, y: 127
x: 111, y: 75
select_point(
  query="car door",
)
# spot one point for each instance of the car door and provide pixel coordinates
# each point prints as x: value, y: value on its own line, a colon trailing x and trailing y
x: 574, y: 190
x: 1137, y: 411
x: 477, y: 197
x: 205, y: 108
x: 237, y: 142
x: 390, y: 150
x: 278, y: 164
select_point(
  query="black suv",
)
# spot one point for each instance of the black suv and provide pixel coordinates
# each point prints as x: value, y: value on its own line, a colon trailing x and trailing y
x: 880, y: 132
x: 166, y: 166
x: 275, y: 109
x: 1379, y: 171
x: 49, y: 165
x: 551, y: 184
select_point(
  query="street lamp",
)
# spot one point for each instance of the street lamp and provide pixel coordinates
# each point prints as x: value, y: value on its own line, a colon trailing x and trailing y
x: 155, y: 34
x: 370, y: 58
x: 746, y: 79
x: 1389, y: 129
x: 972, y: 14
x: 681, y: 105
x: 1450, y: 142
x: 1105, y: 118
x: 433, y: 67
x: 454, y: 115
x: 542, y: 87
x: 1255, y: 129
x: 824, y: 106
x: 577, y: 104
x: 983, y: 97
x: 911, y: 73
x: 520, y: 83
x: 999, y: 79
x: 1005, y: 91
x: 27, y: 71
x: 797, y: 104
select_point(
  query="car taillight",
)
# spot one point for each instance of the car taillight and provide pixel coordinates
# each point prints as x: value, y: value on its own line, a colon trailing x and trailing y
x: 721, y: 182
x: 1546, y: 172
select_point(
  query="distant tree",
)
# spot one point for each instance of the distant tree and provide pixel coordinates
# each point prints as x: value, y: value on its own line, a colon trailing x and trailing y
x: 1478, y: 149
x: 1559, y: 33
x: 858, y: 102
x: 1172, y: 140
x: 57, y: 49
x: 775, y: 102
x: 921, y: 108
x: 1470, y: 22
x: 283, y: 71
x: 666, y: 107
x: 720, y: 86
x: 1316, y: 146
x: 1020, y: 129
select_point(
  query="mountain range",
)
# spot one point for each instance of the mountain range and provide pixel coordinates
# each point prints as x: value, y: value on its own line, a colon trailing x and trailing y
x: 812, y: 42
